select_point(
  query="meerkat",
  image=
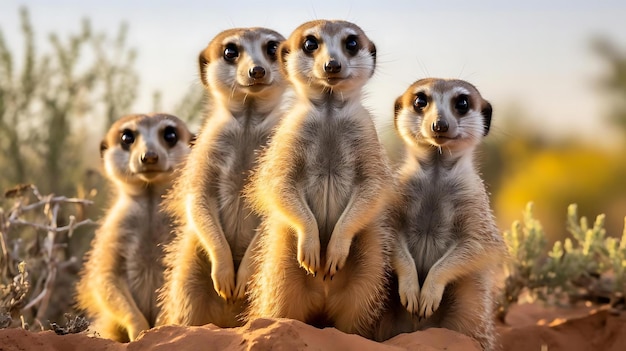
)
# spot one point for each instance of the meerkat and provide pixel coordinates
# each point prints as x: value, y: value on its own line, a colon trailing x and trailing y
x: 322, y: 256
x: 207, y: 264
x: 117, y: 289
x: 448, y: 245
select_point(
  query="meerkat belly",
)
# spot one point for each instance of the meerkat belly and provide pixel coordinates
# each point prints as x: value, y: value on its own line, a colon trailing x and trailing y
x: 330, y: 183
x: 431, y: 226
x: 143, y: 253
x: 238, y: 221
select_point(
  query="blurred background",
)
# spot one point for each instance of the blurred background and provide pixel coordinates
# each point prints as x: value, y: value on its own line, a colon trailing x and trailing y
x: 555, y: 74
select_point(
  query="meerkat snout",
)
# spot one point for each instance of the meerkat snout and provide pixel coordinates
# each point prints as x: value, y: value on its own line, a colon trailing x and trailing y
x: 332, y: 66
x: 440, y: 126
x: 149, y: 157
x: 257, y: 72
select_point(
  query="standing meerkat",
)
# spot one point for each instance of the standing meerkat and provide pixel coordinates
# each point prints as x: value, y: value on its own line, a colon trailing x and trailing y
x: 207, y: 264
x: 448, y: 242
x: 118, y: 284
x: 322, y: 256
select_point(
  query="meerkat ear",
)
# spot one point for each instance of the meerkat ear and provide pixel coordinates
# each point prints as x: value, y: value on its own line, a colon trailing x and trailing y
x: 203, y: 61
x: 281, y: 56
x: 397, y: 106
x: 103, y: 147
x: 192, y: 140
x: 373, y: 53
x: 486, y: 112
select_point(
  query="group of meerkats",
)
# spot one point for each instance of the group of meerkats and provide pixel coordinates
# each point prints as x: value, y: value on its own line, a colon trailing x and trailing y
x: 285, y: 204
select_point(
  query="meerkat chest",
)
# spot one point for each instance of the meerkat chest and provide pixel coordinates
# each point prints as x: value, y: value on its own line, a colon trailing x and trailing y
x: 238, y: 147
x: 332, y: 144
x: 431, y: 215
x: 146, y: 230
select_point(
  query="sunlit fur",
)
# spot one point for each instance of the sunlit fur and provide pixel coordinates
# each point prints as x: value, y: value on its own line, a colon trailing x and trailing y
x: 117, y: 289
x: 448, y: 242
x: 207, y: 264
x: 322, y: 255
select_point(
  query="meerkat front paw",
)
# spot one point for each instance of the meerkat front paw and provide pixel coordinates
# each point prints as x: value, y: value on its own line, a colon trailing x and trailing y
x: 409, y: 290
x: 309, y: 251
x: 336, y: 255
x: 223, y: 275
x: 243, y: 276
x: 430, y: 297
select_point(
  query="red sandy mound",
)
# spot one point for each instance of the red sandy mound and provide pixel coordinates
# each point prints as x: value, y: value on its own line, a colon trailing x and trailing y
x: 261, y: 334
x: 599, y: 330
x: 595, y: 330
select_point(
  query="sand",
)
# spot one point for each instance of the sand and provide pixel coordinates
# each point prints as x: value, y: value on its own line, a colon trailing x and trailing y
x: 528, y: 327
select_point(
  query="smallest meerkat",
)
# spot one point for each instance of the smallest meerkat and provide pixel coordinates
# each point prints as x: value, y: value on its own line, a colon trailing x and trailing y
x: 117, y: 289
x: 448, y: 245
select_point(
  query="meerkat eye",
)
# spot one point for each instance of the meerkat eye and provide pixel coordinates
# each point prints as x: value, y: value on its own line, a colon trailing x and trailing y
x: 170, y: 136
x: 310, y: 44
x: 420, y: 101
x: 231, y: 53
x: 462, y: 104
x: 272, y: 47
x: 352, y: 45
x: 127, y: 138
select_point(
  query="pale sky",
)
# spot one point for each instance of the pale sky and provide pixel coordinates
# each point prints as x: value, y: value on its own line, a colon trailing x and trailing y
x: 530, y: 55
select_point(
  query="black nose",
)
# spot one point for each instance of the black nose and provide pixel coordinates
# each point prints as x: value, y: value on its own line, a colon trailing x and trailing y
x: 257, y: 72
x: 332, y: 66
x: 149, y: 157
x: 440, y: 126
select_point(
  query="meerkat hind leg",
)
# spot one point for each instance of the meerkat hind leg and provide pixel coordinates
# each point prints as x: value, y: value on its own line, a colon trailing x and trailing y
x: 282, y: 289
x: 192, y: 300
x: 358, y: 290
x: 470, y: 311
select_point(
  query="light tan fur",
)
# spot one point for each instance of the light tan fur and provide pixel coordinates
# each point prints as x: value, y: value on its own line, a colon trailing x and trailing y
x: 208, y: 263
x: 448, y: 245
x: 119, y: 280
x: 322, y: 255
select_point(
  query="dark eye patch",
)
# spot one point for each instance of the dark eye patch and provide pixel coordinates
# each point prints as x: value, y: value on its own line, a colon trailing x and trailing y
x: 170, y: 136
x: 352, y: 44
x: 462, y: 104
x: 127, y: 138
x: 310, y: 44
x: 231, y: 52
x: 420, y: 102
x: 272, y: 47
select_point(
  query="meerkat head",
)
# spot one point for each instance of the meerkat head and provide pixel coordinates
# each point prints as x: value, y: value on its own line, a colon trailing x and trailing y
x: 443, y: 113
x: 240, y: 63
x: 145, y: 149
x: 329, y: 56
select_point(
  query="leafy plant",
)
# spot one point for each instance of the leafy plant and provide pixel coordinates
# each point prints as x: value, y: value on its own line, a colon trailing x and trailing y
x: 588, y: 266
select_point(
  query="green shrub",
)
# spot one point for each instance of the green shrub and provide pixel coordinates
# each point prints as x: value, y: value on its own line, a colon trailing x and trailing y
x: 588, y: 266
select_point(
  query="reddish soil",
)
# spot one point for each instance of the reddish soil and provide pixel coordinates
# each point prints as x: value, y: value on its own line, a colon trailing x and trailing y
x: 529, y: 327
